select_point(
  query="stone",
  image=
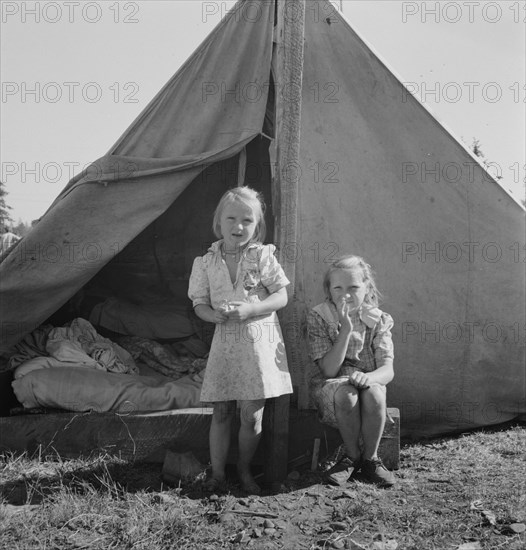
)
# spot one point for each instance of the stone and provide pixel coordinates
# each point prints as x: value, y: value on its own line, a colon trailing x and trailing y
x: 178, y: 466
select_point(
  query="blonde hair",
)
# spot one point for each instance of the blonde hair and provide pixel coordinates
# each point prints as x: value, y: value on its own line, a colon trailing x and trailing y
x: 354, y: 263
x: 253, y: 200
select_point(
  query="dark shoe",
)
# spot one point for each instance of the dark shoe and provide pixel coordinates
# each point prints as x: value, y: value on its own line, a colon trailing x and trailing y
x: 341, y: 472
x: 375, y: 472
x: 333, y: 458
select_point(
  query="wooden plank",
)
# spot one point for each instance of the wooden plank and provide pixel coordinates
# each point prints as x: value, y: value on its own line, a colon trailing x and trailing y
x: 288, y: 70
x: 147, y: 437
x: 142, y: 437
x: 305, y: 427
x: 276, y: 438
x: 315, y: 454
x: 389, y: 449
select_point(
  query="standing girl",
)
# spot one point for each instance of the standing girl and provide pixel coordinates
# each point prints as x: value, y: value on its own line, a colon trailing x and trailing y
x: 350, y: 341
x: 239, y: 285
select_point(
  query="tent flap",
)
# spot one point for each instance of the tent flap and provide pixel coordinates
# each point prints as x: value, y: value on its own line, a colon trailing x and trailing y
x: 206, y: 113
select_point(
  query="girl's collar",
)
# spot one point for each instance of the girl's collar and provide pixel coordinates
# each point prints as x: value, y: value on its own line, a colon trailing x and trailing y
x: 235, y: 253
x: 217, y: 248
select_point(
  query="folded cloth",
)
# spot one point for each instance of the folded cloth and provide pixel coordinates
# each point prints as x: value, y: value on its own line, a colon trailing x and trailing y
x: 31, y: 346
x: 76, y: 344
x: 161, y: 358
x: 80, y: 342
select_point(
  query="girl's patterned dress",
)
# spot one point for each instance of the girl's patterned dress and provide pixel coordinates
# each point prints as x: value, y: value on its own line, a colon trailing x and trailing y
x: 370, y: 345
x: 247, y: 358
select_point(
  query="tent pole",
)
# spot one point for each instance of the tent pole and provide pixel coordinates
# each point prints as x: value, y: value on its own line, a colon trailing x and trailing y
x: 288, y: 71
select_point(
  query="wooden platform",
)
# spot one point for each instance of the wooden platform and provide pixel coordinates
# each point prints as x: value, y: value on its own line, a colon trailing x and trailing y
x: 141, y: 437
x: 146, y: 437
x: 305, y: 428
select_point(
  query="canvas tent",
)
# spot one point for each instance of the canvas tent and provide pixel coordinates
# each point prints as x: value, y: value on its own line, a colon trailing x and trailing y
x: 285, y: 97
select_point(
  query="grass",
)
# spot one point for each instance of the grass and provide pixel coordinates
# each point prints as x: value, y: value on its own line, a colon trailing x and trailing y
x: 462, y: 492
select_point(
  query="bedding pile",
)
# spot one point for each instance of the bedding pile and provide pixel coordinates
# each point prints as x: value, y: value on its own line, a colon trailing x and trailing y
x: 76, y: 344
x: 168, y: 359
x: 76, y: 369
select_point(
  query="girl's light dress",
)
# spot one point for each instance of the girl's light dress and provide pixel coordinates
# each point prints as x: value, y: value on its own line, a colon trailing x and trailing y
x: 247, y: 358
x: 370, y: 346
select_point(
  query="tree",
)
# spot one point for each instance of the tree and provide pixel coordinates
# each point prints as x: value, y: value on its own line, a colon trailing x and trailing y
x: 5, y: 217
x: 477, y: 151
x: 21, y: 228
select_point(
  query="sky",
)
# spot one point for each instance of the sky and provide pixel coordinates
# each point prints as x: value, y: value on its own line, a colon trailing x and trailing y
x: 76, y: 73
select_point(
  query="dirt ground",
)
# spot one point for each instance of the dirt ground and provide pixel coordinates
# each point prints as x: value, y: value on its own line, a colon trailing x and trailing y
x: 300, y: 512
x: 437, y: 503
x: 459, y: 493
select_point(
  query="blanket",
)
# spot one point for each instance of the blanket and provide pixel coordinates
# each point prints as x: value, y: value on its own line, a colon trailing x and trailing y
x: 84, y: 390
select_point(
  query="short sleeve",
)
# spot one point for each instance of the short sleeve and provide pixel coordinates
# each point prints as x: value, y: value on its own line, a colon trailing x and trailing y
x: 273, y: 277
x: 198, y: 285
x: 318, y: 337
x: 383, y: 341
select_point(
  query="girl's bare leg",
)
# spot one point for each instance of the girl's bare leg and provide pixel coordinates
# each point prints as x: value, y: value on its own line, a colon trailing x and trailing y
x: 372, y: 405
x: 348, y: 416
x: 251, y: 416
x: 224, y: 412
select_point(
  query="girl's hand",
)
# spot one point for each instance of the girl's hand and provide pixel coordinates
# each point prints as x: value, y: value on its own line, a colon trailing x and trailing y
x: 241, y: 311
x: 343, y: 315
x: 359, y: 380
x: 219, y: 316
